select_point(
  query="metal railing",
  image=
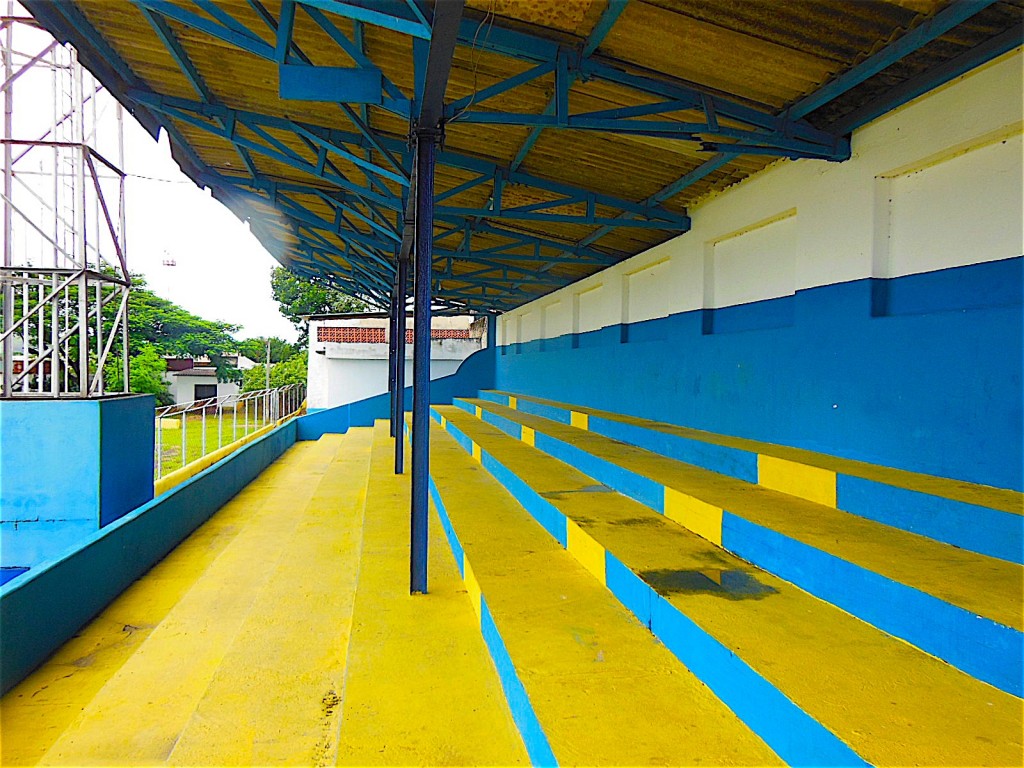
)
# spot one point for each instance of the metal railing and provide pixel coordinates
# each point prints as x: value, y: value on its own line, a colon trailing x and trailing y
x: 203, y: 426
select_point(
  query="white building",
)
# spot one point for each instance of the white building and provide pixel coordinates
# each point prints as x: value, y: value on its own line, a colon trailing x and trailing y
x: 189, y: 379
x: 348, y: 354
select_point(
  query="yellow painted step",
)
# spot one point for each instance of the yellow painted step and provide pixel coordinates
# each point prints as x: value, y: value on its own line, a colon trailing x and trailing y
x: 420, y: 688
x: 892, y: 703
x: 986, y: 586
x: 603, y: 689
x: 1001, y: 499
x: 124, y: 688
x: 275, y: 696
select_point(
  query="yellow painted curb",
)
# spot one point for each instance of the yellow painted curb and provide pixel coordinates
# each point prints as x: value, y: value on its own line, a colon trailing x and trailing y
x: 802, y: 480
x: 472, y: 586
x: 529, y: 436
x: 586, y: 550
x: 700, y: 517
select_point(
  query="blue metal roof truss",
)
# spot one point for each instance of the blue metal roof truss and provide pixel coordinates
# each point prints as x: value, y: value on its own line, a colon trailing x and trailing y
x: 347, y: 225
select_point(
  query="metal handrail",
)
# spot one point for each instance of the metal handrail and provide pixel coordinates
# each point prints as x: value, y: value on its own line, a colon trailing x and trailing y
x: 258, y: 409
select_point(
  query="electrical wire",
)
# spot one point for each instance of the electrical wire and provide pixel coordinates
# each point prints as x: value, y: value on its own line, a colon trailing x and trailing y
x: 488, y: 20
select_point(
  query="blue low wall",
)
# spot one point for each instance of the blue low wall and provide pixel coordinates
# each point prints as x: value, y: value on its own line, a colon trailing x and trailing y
x: 921, y: 372
x: 475, y: 373
x: 69, y: 467
x: 42, y: 609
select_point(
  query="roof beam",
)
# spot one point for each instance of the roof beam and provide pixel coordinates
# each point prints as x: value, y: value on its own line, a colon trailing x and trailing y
x: 443, y: 36
x: 235, y: 34
x: 191, y: 111
x: 429, y: 110
x: 798, y: 135
x: 376, y: 13
x: 952, y: 15
x: 188, y: 69
x: 926, y: 81
x: 597, y: 35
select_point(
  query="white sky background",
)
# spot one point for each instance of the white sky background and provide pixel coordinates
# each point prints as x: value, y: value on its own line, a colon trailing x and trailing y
x: 221, y: 271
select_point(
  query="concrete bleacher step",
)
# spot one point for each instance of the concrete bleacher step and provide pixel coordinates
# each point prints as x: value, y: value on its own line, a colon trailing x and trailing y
x: 586, y: 682
x: 961, y: 606
x: 216, y: 655
x: 419, y: 686
x: 806, y: 676
x: 979, y: 518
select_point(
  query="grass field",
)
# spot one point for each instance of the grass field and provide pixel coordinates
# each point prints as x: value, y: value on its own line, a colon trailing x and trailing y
x: 218, y: 432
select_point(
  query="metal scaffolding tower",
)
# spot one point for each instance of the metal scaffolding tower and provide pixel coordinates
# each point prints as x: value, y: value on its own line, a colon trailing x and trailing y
x: 64, y: 279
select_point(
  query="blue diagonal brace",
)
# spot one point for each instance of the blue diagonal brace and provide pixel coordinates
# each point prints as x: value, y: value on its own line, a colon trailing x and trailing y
x: 952, y: 15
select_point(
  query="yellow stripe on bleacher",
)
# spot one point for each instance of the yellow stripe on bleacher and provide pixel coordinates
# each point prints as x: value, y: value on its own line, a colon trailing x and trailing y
x: 513, y: 402
x: 476, y: 453
x: 700, y: 517
x: 479, y: 412
x: 579, y: 420
x: 588, y: 552
x: 444, y: 423
x: 807, y: 482
x: 472, y: 585
x: 529, y: 436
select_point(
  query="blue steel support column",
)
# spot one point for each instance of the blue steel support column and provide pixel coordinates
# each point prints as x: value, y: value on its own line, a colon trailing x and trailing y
x: 399, y: 410
x: 392, y: 344
x: 424, y: 255
x: 492, y: 331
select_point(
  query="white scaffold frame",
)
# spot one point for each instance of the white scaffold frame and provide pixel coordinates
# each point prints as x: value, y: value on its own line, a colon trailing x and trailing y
x: 64, y: 279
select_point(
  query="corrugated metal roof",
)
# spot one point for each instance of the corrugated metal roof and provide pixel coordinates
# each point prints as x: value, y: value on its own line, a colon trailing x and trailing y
x: 298, y: 169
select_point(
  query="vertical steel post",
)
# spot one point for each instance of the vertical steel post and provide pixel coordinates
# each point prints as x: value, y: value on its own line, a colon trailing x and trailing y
x: 424, y: 228
x: 403, y: 279
x: 392, y: 343
x: 492, y: 331
x: 8, y: 287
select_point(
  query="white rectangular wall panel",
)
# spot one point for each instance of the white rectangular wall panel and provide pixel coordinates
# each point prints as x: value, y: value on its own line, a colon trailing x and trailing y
x: 557, y: 319
x: 531, y: 326
x: 591, y: 312
x: 954, y: 213
x: 756, y: 264
x: 648, y: 293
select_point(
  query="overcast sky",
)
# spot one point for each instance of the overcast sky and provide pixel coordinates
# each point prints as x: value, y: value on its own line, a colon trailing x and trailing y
x: 221, y: 271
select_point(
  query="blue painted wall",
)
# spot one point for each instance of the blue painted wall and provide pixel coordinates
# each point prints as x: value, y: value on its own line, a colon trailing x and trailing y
x: 475, y: 373
x: 67, y: 467
x: 921, y: 372
x: 127, y: 439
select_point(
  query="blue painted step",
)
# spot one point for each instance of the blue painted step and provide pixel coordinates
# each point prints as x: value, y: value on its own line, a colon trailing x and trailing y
x: 860, y: 687
x: 982, y: 647
x: 996, y: 531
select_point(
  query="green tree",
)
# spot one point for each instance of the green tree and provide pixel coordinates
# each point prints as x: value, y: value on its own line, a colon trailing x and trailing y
x: 300, y: 296
x: 145, y: 374
x: 256, y: 349
x: 174, y: 331
x: 291, y: 371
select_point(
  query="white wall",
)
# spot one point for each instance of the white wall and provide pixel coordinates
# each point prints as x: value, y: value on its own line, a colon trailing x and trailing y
x: 345, y: 373
x: 182, y: 388
x: 935, y: 184
x: 347, y: 381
